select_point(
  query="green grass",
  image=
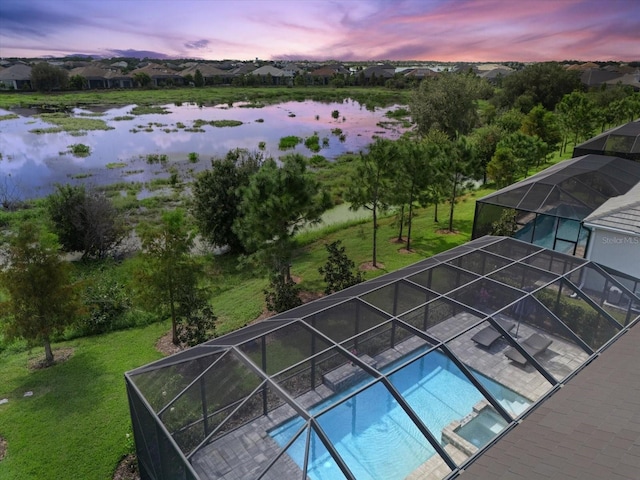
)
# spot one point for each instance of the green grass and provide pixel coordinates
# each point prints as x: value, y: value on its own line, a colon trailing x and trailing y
x: 288, y: 142
x: 148, y: 109
x: 197, y: 124
x: 255, y: 97
x: 114, y: 165
x: 9, y: 116
x: 80, y: 150
x: 312, y: 143
x: 74, y: 425
x: 65, y: 123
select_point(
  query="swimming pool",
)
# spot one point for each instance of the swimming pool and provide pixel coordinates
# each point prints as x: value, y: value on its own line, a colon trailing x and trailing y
x: 374, y: 435
x: 554, y: 233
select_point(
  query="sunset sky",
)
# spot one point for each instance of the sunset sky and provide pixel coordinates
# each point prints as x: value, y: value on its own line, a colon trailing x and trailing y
x: 440, y: 30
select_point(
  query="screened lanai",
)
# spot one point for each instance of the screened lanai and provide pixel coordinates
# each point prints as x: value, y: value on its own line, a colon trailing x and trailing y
x: 622, y: 141
x: 549, y: 206
x: 409, y: 375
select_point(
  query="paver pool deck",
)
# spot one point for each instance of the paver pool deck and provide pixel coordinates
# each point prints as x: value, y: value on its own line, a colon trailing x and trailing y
x: 245, y: 452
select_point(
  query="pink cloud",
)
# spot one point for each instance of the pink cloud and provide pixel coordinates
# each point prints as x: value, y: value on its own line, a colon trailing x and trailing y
x: 447, y: 30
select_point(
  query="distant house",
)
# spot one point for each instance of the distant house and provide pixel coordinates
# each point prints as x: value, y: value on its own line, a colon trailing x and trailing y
x: 160, y: 75
x: 16, y: 76
x: 464, y: 68
x: 243, y: 69
x: 276, y: 76
x: 325, y: 74
x: 211, y: 74
x: 97, y: 76
x: 594, y: 77
x: 583, y: 66
x: 378, y: 74
x: 420, y: 73
x: 121, y: 64
x: 629, y: 79
x: 495, y: 75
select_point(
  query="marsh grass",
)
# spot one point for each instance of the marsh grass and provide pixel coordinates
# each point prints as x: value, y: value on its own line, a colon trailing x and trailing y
x: 216, y: 123
x: 313, y: 143
x: 9, y: 116
x: 80, y: 150
x: 250, y: 97
x: 114, y: 165
x: 154, y: 158
x: 289, y: 142
x: 80, y: 176
x: 65, y: 123
x: 149, y: 109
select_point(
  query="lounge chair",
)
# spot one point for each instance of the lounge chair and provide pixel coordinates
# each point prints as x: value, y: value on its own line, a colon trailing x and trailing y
x: 489, y: 334
x: 533, y: 345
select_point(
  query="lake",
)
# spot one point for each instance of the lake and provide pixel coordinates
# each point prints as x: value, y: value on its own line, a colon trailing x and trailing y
x: 32, y: 163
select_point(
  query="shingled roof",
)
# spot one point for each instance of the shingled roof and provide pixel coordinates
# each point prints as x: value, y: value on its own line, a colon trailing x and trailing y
x: 621, y: 213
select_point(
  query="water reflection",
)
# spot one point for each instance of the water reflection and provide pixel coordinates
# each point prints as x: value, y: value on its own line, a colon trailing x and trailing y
x: 36, y: 162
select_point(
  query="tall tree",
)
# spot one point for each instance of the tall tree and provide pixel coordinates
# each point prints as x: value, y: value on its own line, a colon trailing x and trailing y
x: 371, y: 186
x: 527, y: 150
x: 485, y: 140
x: 543, y: 124
x: 217, y: 196
x: 447, y: 103
x: 416, y: 174
x: 42, y: 299
x: 540, y: 83
x: 46, y: 77
x: 278, y: 202
x: 458, y: 167
x: 503, y: 167
x: 167, y: 275
x: 577, y: 116
x: 198, y: 79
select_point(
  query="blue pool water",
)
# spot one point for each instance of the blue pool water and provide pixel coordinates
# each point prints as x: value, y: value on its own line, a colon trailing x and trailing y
x: 568, y: 232
x: 374, y: 435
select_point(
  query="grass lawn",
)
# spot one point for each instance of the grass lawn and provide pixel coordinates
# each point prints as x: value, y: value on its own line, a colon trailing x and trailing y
x: 75, y: 424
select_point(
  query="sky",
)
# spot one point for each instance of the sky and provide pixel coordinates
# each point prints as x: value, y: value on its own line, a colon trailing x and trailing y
x: 346, y: 30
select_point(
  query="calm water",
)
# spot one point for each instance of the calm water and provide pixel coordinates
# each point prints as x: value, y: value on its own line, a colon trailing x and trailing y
x: 33, y: 163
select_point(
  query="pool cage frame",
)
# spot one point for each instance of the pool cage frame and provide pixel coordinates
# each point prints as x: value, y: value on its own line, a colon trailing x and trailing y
x: 622, y: 141
x: 554, y: 202
x: 192, y: 411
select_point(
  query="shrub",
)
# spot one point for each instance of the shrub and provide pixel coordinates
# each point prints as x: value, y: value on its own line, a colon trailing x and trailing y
x: 289, y: 142
x: 338, y: 271
x: 106, y: 301
x: 313, y: 143
x: 282, y: 294
x: 80, y: 150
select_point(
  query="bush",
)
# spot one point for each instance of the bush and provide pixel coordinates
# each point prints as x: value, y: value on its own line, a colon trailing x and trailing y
x: 338, y: 271
x: 282, y: 294
x: 80, y: 150
x: 313, y: 143
x: 107, y: 301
